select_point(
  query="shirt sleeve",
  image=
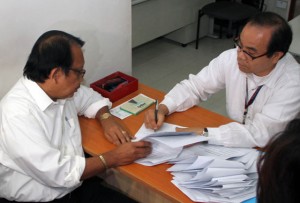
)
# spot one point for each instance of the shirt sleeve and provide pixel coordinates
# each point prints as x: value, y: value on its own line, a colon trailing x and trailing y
x: 280, y: 108
x: 88, y: 102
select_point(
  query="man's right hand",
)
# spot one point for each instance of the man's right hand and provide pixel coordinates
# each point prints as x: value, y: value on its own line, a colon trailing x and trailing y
x: 122, y: 155
x: 149, y: 119
x: 127, y: 153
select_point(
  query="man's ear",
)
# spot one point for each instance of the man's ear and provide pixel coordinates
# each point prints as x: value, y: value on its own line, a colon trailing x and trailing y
x: 55, y: 73
x: 277, y: 56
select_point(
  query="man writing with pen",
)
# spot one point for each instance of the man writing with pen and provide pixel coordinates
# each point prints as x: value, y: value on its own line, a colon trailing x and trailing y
x: 262, y: 82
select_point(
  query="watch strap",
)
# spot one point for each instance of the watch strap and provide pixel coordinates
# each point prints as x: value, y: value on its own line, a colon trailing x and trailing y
x: 205, y: 132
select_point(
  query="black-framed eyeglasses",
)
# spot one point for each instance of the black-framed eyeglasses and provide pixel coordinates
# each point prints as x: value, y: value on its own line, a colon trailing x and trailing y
x: 79, y: 72
x: 237, y: 43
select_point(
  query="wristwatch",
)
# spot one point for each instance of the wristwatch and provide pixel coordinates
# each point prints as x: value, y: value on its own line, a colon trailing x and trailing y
x: 105, y: 116
x: 205, y: 132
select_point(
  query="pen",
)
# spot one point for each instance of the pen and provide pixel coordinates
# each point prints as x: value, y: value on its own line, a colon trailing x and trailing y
x: 67, y: 121
x: 156, y: 110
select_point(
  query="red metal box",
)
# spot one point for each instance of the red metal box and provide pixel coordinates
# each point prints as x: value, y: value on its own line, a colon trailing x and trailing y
x: 115, y: 86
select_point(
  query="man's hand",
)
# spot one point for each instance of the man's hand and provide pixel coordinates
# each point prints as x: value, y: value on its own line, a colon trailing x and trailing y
x: 127, y: 153
x: 122, y: 155
x: 115, y: 132
x: 149, y: 119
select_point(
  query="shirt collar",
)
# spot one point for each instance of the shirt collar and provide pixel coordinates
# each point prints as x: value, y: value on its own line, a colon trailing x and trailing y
x: 39, y: 95
x: 270, y: 79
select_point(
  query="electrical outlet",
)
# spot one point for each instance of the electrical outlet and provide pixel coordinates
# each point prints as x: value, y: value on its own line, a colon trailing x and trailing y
x: 281, y: 4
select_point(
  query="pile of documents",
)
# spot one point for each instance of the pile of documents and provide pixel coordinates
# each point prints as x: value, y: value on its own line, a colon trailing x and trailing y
x: 215, y: 173
x: 166, y: 143
x: 205, y: 173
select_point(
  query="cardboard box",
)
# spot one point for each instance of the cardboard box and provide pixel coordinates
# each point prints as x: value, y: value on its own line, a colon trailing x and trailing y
x: 115, y: 86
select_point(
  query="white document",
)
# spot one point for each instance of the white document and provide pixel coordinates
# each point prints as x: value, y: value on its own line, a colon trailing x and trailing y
x: 185, y: 156
x: 206, y: 161
x: 209, y: 173
x: 220, y: 181
x: 140, y: 136
x: 166, y: 143
x: 219, y: 151
x: 118, y: 112
x: 160, y: 154
x: 144, y: 132
x: 204, y: 172
x: 216, y: 173
x: 168, y: 136
x: 198, y: 195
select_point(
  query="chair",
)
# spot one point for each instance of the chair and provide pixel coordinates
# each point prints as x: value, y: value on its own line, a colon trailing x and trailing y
x: 231, y: 12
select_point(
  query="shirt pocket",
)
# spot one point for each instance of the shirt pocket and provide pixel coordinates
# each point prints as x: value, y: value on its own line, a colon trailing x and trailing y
x: 73, y: 136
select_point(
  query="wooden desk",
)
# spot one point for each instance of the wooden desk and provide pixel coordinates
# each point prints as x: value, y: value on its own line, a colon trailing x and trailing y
x: 143, y: 182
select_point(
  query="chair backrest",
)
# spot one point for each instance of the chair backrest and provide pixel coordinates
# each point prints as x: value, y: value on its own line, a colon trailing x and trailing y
x: 259, y: 4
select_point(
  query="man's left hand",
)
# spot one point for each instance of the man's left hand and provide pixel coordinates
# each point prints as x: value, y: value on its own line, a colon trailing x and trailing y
x: 115, y: 132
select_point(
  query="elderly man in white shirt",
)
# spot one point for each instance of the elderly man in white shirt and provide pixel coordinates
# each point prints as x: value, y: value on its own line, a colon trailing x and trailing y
x: 262, y: 84
x: 41, y: 154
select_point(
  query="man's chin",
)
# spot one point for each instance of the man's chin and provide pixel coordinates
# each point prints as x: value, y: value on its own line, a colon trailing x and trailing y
x: 244, y: 69
x: 70, y: 96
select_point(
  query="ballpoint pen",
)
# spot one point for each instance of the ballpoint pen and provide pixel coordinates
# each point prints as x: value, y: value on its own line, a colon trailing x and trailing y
x: 156, y: 110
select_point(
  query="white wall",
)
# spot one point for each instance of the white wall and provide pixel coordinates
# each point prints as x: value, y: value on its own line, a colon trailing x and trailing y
x: 105, y: 26
x: 271, y: 6
x: 155, y: 18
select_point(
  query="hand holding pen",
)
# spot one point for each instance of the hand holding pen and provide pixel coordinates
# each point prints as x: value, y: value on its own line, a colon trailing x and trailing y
x: 154, y: 118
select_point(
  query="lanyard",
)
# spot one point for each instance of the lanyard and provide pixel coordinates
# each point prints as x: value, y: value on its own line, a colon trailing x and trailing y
x: 251, y: 100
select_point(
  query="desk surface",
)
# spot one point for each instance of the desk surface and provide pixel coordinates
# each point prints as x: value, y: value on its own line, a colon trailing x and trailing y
x: 155, y: 177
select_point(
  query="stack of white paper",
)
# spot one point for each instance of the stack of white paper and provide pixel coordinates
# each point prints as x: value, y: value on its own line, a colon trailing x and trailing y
x: 166, y: 143
x: 215, y: 173
x: 205, y: 173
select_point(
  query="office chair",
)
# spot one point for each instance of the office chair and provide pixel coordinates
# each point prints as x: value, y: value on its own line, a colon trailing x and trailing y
x: 231, y: 12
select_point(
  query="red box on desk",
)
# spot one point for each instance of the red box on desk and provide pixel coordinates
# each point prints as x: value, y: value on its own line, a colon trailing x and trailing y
x: 118, y: 93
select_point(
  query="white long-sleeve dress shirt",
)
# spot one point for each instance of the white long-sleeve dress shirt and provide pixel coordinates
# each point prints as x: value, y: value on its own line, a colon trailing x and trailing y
x: 41, y: 155
x: 276, y: 104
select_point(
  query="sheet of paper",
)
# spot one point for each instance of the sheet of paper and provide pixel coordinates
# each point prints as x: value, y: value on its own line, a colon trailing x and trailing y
x: 204, y: 172
x: 185, y: 156
x: 167, y: 135
x: 160, y: 154
x: 180, y: 140
x: 144, y: 132
x: 197, y: 195
x: 206, y: 161
x: 209, y: 173
x: 219, y: 151
x: 153, y: 135
x: 118, y: 112
x: 210, y: 176
x: 166, y: 143
x: 229, y: 179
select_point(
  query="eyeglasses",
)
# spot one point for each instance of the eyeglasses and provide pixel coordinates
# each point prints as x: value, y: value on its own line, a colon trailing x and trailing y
x: 79, y: 72
x: 237, y: 43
